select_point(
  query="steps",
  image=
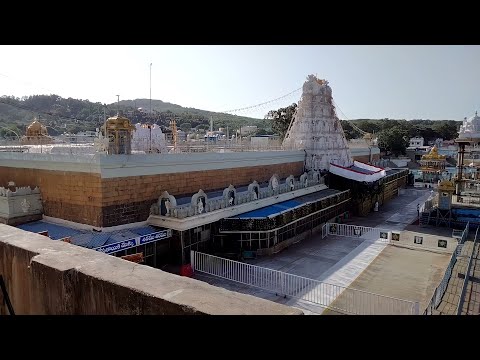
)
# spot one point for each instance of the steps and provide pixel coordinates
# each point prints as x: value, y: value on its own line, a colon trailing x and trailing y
x: 424, y: 218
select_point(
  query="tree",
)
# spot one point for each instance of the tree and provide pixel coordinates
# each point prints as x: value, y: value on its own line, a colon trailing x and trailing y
x: 186, y: 127
x: 394, y: 140
x: 10, y: 131
x: 350, y: 132
x: 280, y: 119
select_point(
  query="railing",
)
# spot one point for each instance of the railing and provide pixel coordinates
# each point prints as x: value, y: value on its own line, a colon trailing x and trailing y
x: 467, y: 276
x: 367, y: 233
x: 324, y: 231
x: 343, y: 299
x: 465, y: 199
x: 440, y: 290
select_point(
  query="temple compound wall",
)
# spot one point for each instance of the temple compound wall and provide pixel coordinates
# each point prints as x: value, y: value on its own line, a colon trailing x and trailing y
x: 108, y: 190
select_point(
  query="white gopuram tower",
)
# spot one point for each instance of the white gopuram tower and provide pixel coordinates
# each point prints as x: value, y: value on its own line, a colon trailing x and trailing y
x: 316, y: 129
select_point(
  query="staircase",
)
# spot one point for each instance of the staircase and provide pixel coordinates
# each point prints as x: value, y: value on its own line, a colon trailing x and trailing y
x: 424, y: 218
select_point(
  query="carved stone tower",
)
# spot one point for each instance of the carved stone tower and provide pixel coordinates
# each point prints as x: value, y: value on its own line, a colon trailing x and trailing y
x: 316, y: 129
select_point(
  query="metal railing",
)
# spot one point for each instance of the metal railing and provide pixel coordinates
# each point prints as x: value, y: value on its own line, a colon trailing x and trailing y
x: 367, y: 233
x: 467, y: 276
x: 440, y: 290
x: 336, y: 297
x: 465, y: 199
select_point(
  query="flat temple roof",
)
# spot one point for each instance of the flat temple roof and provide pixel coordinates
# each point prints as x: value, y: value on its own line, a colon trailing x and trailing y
x: 87, y: 238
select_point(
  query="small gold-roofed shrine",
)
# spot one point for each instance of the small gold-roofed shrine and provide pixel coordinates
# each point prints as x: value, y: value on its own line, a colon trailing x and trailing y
x: 432, y: 165
x: 119, y: 134
x: 446, y: 185
x: 36, y: 134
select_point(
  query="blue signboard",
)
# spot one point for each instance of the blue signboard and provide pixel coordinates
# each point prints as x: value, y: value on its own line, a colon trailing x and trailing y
x: 154, y: 236
x: 112, y: 248
x: 130, y: 243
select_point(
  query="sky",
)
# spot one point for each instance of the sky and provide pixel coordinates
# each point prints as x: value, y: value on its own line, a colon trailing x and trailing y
x: 396, y: 82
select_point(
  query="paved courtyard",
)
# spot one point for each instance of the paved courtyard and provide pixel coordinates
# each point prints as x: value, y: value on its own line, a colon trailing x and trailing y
x: 341, y: 260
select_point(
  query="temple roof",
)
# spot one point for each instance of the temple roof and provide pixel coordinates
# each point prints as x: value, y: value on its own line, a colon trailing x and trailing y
x: 434, y: 155
x: 35, y: 125
x: 474, y: 118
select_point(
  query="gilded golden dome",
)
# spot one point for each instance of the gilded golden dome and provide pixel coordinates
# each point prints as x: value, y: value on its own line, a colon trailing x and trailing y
x: 433, y: 155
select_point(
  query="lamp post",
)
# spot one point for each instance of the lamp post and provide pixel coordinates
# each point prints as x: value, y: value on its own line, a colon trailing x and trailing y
x: 150, y: 88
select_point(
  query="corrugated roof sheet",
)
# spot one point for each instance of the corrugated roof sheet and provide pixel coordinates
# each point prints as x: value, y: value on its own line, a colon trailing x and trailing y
x: 54, y: 231
x: 86, y: 238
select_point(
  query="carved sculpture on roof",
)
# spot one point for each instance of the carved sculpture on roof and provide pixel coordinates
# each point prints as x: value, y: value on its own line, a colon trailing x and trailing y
x: 200, y: 203
x: 254, y: 190
x: 229, y: 195
x: 274, y: 182
x: 290, y: 181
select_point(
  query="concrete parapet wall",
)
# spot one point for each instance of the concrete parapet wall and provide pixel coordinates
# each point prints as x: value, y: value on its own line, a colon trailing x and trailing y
x: 53, y: 277
x: 429, y: 241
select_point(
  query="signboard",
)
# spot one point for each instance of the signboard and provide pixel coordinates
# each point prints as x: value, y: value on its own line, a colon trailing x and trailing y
x: 442, y: 243
x: 130, y: 243
x: 418, y: 240
x: 333, y: 228
x: 395, y: 236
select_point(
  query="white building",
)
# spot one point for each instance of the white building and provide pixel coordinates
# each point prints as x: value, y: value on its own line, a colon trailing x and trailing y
x: 470, y: 128
x: 416, y: 142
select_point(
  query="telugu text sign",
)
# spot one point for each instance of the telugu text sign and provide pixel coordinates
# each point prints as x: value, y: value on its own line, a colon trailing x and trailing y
x: 130, y: 243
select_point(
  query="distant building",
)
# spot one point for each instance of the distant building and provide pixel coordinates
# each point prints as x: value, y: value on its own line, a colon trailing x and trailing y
x: 265, y: 141
x: 416, y: 141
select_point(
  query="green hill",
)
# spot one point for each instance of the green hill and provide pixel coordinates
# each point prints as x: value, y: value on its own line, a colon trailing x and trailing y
x: 73, y: 115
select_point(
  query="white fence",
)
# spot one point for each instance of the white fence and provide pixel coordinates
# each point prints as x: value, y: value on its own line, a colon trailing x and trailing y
x: 345, y: 300
x: 367, y: 233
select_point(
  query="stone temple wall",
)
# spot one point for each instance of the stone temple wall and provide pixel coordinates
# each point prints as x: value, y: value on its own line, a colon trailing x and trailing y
x: 316, y: 128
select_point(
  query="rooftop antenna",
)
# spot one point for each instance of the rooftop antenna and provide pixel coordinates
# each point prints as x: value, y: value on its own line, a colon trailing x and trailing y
x: 211, y: 124
x: 118, y: 104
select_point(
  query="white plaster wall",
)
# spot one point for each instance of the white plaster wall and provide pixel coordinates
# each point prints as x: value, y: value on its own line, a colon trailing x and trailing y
x: 429, y: 241
x: 11, y: 206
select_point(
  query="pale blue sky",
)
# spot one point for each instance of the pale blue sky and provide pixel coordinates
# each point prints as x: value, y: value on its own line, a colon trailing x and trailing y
x: 410, y: 82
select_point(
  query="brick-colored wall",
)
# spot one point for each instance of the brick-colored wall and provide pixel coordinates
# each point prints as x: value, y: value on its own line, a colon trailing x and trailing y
x: 73, y: 196
x: 88, y: 199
